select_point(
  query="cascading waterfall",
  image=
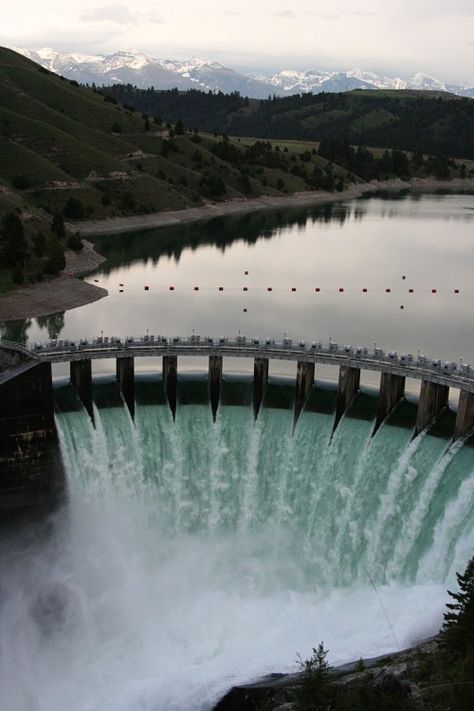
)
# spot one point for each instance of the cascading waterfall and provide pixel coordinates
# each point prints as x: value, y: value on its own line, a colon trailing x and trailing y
x: 194, y: 555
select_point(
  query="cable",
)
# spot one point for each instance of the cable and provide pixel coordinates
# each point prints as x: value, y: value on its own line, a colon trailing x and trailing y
x: 384, y: 610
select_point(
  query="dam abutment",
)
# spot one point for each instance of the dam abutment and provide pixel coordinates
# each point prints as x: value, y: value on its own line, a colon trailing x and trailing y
x: 215, y: 380
x: 392, y: 390
x: 81, y: 380
x: 170, y: 381
x: 125, y: 371
x: 260, y: 380
x: 347, y: 387
x: 304, y: 383
x: 433, y: 399
x: 31, y: 472
x: 465, y: 414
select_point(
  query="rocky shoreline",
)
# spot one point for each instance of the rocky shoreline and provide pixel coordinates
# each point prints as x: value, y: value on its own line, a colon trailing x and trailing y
x: 61, y: 293
x: 393, y: 673
x: 117, y: 225
x: 68, y: 292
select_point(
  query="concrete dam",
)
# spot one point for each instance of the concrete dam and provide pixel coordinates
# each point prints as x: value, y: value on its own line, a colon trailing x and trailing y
x: 29, y: 462
x: 296, y: 498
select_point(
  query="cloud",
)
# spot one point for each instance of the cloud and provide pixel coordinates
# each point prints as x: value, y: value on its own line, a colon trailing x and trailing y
x: 323, y: 15
x: 362, y: 13
x: 286, y: 14
x: 119, y: 14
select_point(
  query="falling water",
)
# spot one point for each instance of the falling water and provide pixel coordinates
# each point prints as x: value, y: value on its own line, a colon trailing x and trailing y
x: 194, y: 555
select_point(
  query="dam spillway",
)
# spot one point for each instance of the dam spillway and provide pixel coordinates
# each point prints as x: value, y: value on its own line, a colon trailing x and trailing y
x: 207, y: 548
x: 197, y: 554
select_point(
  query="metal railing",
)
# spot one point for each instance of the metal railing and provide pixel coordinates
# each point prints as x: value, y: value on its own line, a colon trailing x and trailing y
x: 458, y: 375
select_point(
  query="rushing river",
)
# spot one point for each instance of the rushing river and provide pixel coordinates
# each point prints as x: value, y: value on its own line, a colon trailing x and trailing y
x: 194, y: 555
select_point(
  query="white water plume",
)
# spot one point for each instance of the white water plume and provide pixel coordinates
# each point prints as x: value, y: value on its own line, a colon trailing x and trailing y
x: 193, y: 556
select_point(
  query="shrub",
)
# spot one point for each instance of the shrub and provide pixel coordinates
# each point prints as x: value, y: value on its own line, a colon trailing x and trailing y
x: 75, y: 243
x: 21, y: 182
x: 74, y: 209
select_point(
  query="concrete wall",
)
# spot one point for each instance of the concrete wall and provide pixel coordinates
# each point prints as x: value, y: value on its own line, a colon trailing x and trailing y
x: 31, y: 472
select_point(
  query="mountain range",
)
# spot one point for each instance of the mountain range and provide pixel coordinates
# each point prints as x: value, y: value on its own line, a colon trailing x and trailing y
x: 143, y: 71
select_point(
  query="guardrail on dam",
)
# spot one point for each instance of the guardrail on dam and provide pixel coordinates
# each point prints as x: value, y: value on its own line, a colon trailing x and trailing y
x: 26, y: 395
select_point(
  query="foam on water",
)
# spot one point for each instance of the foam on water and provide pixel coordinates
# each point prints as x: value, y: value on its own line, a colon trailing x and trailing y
x: 195, y: 555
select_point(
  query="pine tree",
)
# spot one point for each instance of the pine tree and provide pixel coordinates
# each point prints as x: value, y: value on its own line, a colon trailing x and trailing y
x: 13, y: 244
x: 458, y: 626
x: 315, y: 692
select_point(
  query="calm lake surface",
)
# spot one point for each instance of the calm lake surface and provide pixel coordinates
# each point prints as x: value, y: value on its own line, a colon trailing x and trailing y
x: 378, y: 244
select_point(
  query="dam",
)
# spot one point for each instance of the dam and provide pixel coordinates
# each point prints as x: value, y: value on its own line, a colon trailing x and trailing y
x: 26, y: 388
x: 294, y: 523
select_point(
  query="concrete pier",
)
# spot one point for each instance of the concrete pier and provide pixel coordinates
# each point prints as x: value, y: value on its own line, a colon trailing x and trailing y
x: 126, y: 380
x: 348, y: 385
x: 31, y: 473
x: 81, y: 379
x: 215, y: 379
x: 465, y: 416
x: 260, y: 380
x: 392, y: 390
x: 304, y: 383
x: 170, y: 381
x: 433, y: 398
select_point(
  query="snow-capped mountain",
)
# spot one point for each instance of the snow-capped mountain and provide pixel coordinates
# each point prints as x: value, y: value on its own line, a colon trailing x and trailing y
x: 131, y: 66
x: 317, y: 81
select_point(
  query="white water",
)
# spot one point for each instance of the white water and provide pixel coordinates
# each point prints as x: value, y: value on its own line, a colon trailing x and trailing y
x: 194, y: 556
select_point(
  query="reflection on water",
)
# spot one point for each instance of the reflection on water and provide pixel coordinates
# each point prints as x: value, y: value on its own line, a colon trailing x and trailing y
x: 381, y: 269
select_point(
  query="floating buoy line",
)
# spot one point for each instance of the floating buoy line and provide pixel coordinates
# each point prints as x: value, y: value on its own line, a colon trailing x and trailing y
x: 293, y: 289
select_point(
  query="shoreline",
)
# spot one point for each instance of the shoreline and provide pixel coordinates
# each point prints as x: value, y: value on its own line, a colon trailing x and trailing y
x: 58, y: 294
x: 66, y: 291
x: 135, y: 223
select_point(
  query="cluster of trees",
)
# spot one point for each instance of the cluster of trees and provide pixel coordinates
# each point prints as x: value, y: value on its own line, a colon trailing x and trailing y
x: 32, y: 256
x: 366, y: 165
x: 205, y: 109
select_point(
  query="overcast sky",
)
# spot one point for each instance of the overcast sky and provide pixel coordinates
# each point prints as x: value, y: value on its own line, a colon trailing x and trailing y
x: 395, y: 36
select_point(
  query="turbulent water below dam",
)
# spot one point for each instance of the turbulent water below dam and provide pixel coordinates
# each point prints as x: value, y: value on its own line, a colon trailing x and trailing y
x: 194, y: 555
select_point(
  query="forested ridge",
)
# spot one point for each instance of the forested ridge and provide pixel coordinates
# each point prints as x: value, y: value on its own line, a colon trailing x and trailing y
x: 426, y: 122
